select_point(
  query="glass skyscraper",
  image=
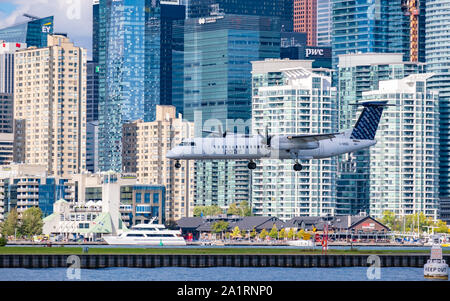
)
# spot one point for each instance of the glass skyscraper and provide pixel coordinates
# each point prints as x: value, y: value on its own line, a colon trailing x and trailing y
x: 134, y: 45
x: 213, y: 78
x: 379, y: 26
x: 33, y: 33
x: 438, y: 62
x: 324, y: 22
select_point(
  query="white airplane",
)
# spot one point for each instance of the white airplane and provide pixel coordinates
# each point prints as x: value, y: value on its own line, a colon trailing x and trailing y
x: 303, y: 147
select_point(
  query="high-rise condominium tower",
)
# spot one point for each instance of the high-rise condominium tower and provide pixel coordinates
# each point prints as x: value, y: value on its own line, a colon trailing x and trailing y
x: 50, y: 106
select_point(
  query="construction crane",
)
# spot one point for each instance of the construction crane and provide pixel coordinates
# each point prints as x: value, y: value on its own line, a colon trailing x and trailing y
x: 411, y: 8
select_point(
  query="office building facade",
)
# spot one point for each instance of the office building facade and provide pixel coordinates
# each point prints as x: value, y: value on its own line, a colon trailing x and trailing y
x: 371, y: 26
x: 27, y: 186
x: 324, y: 22
x: 305, y: 19
x: 214, y: 90
x: 290, y: 98
x: 50, y: 106
x: 404, y: 165
x: 33, y: 33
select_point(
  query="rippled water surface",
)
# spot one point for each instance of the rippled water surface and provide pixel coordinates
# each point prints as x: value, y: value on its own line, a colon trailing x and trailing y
x: 212, y: 274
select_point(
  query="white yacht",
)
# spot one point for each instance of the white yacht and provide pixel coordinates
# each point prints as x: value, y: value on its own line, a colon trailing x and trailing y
x: 148, y: 235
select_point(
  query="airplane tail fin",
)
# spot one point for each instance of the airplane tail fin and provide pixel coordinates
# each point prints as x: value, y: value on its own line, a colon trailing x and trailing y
x: 367, y: 125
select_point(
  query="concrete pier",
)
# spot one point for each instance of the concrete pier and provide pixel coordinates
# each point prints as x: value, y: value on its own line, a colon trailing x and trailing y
x: 205, y: 261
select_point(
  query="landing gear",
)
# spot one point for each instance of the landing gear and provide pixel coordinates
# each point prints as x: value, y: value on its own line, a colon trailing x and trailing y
x: 298, y: 167
x: 178, y: 165
x: 251, y: 165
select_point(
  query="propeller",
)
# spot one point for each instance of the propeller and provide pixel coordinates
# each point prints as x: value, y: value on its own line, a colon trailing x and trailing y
x: 267, y: 139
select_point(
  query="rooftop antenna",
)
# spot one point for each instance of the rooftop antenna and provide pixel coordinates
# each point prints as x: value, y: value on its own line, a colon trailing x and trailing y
x: 31, y: 17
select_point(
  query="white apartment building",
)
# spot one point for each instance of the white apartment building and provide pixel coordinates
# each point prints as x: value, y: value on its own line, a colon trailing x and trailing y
x: 292, y: 99
x: 404, y: 165
x: 50, y: 106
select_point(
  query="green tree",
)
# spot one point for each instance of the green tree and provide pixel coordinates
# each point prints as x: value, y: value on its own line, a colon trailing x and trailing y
x: 32, y: 222
x: 389, y: 220
x: 274, y: 232
x: 441, y: 227
x: 11, y: 223
x: 219, y: 227
x: 234, y: 210
x: 282, y: 234
x: 246, y: 210
x: 263, y: 234
x: 207, y: 210
x: 242, y: 209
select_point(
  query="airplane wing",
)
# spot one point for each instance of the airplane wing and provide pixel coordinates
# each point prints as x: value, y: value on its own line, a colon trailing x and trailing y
x: 312, y: 138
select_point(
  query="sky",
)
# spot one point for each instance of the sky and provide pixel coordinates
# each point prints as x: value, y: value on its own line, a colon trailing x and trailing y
x: 73, y: 17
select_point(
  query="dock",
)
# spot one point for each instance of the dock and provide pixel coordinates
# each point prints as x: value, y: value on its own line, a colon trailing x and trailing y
x: 88, y: 261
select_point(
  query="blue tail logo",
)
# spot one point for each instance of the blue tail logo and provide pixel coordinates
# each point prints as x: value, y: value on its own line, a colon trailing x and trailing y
x: 367, y: 125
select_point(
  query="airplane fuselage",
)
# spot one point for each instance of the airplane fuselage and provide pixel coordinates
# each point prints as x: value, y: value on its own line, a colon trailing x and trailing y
x: 240, y: 147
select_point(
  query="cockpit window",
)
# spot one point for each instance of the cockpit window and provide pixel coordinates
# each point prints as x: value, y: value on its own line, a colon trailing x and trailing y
x: 187, y: 143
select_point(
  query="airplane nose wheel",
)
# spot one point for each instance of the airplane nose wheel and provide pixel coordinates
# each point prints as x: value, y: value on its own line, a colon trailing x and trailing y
x: 252, y: 165
x: 178, y: 165
x: 298, y: 167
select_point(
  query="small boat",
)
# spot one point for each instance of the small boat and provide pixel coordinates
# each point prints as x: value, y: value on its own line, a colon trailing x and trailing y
x: 301, y: 243
x: 436, y: 267
x: 148, y: 235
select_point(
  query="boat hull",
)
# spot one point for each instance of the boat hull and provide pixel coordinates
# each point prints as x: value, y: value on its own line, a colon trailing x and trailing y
x: 144, y: 242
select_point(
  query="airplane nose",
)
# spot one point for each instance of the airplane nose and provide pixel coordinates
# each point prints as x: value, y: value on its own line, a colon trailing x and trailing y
x: 170, y: 155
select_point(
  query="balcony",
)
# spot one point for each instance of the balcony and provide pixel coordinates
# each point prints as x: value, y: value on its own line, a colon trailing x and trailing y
x: 28, y: 203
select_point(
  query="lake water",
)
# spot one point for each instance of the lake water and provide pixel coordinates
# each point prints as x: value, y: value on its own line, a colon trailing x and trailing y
x: 213, y: 274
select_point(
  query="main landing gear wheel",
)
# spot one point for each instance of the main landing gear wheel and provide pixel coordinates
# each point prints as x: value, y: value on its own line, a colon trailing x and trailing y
x: 178, y: 165
x: 252, y: 165
x: 298, y: 167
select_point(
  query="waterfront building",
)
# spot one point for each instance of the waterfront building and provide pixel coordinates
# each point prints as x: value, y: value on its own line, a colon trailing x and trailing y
x: 34, y: 33
x: 138, y: 203
x: 292, y: 98
x: 305, y: 19
x: 212, y: 87
x: 372, y: 26
x: 134, y: 68
x: 154, y: 140
x: 25, y: 186
x: 324, y: 22
x: 438, y: 62
x: 404, y: 165
x: 358, y: 73
x: 91, y: 220
x: 50, y: 106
